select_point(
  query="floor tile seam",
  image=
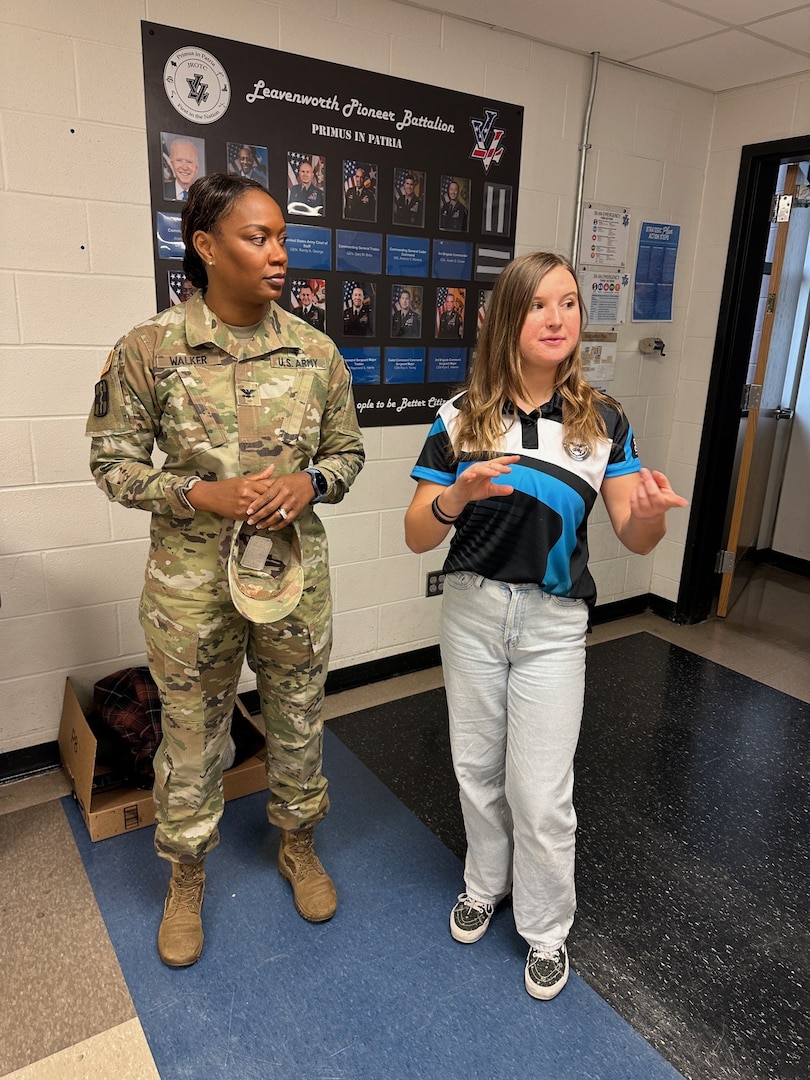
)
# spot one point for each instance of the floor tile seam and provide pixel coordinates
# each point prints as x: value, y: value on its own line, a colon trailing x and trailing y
x: 11, y: 801
x: 100, y: 1033
x: 712, y: 650
x: 784, y: 687
x: 772, y: 678
x: 731, y: 636
x: 718, y: 654
x: 93, y: 939
x: 350, y: 710
x: 67, y: 1063
x: 764, y: 641
x: 28, y: 806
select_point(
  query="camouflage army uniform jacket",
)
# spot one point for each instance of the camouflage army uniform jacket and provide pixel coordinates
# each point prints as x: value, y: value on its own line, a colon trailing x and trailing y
x: 219, y: 407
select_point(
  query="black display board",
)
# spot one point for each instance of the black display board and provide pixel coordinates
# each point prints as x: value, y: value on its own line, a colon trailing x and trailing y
x: 400, y: 198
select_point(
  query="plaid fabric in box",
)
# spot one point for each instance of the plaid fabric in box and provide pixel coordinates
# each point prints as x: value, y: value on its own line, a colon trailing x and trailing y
x: 128, y: 703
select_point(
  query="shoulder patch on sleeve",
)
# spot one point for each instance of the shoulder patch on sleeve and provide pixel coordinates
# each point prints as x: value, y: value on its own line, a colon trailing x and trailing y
x: 108, y: 365
x: 111, y: 413
x: 101, y: 405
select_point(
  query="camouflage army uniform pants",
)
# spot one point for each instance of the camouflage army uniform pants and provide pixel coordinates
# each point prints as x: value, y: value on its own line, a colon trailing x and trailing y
x: 195, y: 651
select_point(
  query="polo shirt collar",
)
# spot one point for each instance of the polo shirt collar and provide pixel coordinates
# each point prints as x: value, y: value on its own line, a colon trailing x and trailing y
x: 552, y: 410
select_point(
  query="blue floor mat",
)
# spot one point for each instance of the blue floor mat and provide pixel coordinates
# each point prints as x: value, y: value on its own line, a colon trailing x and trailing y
x: 379, y: 992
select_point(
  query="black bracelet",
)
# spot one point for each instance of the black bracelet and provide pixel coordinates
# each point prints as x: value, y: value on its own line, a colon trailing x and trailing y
x: 439, y: 514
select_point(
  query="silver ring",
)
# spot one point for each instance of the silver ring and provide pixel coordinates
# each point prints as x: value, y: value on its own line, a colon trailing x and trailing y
x: 282, y: 513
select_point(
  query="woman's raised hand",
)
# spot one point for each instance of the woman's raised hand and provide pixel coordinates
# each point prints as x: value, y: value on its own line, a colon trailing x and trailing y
x: 478, y: 482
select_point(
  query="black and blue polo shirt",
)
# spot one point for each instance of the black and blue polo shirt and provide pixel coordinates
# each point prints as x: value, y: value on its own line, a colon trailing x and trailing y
x: 538, y: 534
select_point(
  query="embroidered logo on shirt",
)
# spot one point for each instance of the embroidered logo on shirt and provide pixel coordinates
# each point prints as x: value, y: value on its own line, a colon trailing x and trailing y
x: 578, y: 451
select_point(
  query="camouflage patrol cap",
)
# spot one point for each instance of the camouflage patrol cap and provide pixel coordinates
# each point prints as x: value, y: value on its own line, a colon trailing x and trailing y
x: 270, y: 594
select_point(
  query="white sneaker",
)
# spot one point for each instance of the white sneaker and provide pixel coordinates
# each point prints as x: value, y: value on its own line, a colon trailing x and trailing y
x: 469, y: 919
x: 546, y: 972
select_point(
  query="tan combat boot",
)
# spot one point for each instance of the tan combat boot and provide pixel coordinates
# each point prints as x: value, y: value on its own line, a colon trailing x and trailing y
x: 180, y: 938
x: 313, y: 891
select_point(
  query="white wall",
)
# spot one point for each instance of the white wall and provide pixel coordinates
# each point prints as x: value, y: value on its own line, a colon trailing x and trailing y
x: 76, y: 272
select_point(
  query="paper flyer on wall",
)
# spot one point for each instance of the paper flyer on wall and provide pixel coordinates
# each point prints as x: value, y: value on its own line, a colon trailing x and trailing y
x: 604, y: 236
x: 655, y: 272
x: 599, y: 357
x: 605, y: 294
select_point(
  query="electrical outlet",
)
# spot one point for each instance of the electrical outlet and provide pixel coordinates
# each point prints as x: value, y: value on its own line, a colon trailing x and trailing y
x: 434, y: 585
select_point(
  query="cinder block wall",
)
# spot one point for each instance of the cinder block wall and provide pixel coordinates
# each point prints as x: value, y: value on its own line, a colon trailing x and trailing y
x: 76, y: 272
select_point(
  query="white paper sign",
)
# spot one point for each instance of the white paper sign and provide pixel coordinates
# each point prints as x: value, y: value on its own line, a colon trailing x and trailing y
x: 605, y: 294
x: 598, y: 353
x: 604, y: 236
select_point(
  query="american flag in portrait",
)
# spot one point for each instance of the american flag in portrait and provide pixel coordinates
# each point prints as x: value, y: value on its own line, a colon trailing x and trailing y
x: 441, y: 296
x: 176, y: 279
x: 483, y: 301
x: 459, y: 295
x: 349, y: 168
x: 416, y: 296
x: 318, y: 286
x: 463, y: 188
x: 259, y: 154
x: 368, y: 292
x: 399, y: 179
x: 294, y: 160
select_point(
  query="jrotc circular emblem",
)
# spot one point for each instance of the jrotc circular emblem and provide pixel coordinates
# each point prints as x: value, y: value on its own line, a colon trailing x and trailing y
x: 197, y: 85
x: 577, y: 451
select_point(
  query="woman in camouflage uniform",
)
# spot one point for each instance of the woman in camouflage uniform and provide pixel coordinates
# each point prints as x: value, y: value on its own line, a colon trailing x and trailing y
x: 254, y: 412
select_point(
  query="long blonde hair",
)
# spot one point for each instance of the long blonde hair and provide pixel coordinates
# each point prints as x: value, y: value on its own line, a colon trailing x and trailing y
x: 496, y: 376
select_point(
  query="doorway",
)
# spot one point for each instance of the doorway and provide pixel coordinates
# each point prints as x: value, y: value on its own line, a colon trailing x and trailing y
x: 770, y: 391
x: 720, y: 448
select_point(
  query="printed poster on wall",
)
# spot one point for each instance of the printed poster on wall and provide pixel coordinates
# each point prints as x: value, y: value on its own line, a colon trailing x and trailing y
x: 400, y: 199
x: 605, y: 294
x: 655, y: 272
x: 599, y: 349
x: 604, y: 236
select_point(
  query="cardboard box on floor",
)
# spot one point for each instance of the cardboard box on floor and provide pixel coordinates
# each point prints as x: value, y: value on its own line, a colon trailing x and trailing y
x: 119, y: 810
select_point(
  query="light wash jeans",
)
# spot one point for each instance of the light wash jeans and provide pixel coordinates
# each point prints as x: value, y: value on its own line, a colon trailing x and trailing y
x: 514, y: 671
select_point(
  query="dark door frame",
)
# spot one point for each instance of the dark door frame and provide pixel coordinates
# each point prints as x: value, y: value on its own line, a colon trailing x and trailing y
x: 759, y: 168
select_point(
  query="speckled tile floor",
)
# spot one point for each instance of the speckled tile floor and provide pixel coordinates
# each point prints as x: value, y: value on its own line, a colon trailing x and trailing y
x: 692, y: 919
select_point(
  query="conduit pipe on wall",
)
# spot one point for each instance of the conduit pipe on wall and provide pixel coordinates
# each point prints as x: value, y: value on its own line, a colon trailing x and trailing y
x: 583, y: 156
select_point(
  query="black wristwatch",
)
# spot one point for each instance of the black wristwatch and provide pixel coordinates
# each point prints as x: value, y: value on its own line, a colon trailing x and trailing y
x: 319, y: 484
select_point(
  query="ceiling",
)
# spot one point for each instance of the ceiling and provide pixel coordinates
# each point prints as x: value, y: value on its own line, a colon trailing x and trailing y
x: 712, y: 44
